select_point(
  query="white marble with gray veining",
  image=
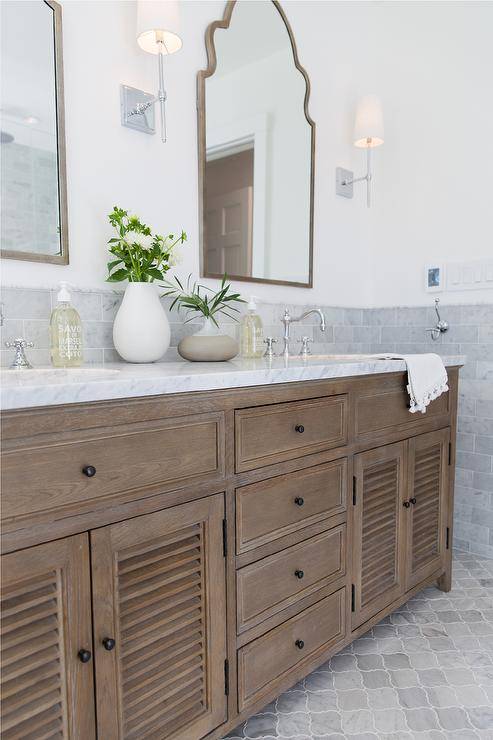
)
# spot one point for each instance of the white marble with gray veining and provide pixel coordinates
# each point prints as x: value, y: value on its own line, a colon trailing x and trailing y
x: 43, y: 387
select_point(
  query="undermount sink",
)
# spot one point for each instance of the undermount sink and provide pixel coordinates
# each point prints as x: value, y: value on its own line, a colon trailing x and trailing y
x: 355, y: 358
x: 45, y: 374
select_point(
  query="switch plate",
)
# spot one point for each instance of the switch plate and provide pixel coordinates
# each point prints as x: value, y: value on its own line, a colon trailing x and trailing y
x: 470, y: 275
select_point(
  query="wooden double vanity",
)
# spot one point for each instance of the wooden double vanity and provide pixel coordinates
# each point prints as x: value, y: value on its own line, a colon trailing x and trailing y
x: 172, y: 563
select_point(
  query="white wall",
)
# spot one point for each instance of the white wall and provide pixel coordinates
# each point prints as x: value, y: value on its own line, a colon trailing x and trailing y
x: 431, y: 62
x: 435, y: 189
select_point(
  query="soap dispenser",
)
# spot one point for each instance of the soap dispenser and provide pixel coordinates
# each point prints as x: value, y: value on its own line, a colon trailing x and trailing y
x: 65, y: 331
x: 251, y: 332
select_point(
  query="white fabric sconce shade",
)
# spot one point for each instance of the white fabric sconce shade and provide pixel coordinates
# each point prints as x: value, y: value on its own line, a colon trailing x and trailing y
x: 368, y: 124
x: 158, y: 26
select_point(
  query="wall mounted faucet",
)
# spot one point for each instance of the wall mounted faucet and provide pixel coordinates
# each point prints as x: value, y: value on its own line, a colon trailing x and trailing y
x: 441, y: 325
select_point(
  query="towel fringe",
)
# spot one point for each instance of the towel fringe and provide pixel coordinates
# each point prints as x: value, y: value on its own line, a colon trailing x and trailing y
x: 428, y: 397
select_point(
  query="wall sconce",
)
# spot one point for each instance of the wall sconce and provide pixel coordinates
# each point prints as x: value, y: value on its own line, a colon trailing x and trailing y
x: 368, y: 134
x: 158, y: 25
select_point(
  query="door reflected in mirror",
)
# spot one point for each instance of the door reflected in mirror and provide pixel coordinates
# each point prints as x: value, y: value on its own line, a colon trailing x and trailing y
x: 256, y: 144
x: 33, y: 225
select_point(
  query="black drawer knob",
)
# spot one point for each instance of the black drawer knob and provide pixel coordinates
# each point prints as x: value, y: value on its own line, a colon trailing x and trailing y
x: 299, y: 501
x: 299, y: 574
x: 89, y: 470
x: 300, y: 644
x: 108, y: 643
x: 412, y: 500
x: 84, y: 655
x: 299, y: 428
x: 406, y: 504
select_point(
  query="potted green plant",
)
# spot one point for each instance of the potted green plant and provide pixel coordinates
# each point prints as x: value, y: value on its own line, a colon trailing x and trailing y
x: 209, y: 344
x: 141, y: 331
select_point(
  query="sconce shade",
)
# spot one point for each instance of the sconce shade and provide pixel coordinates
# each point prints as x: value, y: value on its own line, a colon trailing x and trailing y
x: 368, y: 124
x: 158, y: 20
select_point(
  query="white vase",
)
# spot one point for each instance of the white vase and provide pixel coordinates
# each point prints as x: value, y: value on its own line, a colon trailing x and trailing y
x: 141, y: 329
x: 209, y: 344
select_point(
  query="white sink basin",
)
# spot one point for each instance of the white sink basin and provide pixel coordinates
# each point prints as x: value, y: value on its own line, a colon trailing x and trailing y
x: 56, y: 375
x: 336, y: 358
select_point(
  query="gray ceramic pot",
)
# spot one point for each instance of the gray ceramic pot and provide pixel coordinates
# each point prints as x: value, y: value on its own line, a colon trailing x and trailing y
x: 208, y: 345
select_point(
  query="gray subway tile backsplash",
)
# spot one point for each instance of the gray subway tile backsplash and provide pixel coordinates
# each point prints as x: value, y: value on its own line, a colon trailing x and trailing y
x: 349, y: 330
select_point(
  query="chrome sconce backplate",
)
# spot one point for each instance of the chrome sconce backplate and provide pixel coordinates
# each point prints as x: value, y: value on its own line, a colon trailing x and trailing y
x: 137, y: 109
x: 344, y: 182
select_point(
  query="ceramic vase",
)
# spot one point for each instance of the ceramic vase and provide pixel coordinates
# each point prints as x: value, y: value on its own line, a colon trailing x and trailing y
x: 141, y: 330
x: 208, y: 345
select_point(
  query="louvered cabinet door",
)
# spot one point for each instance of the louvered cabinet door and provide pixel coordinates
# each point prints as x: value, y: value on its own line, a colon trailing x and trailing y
x: 159, y: 593
x: 46, y: 691
x: 427, y: 493
x: 378, y: 530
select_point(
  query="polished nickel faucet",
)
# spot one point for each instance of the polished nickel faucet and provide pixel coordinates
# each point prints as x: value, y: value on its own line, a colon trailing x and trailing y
x: 287, y: 320
x: 20, y: 361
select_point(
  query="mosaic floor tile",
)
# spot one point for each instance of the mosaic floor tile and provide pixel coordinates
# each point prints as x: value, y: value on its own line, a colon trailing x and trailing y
x: 424, y: 673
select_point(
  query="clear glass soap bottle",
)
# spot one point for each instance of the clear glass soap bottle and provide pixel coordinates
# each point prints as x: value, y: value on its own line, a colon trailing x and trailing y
x: 65, y: 332
x: 251, y: 331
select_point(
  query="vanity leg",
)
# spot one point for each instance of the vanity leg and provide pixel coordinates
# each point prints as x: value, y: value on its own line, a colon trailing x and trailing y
x: 444, y: 583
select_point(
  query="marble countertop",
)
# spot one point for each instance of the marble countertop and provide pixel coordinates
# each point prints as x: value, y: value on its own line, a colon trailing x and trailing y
x: 47, y: 387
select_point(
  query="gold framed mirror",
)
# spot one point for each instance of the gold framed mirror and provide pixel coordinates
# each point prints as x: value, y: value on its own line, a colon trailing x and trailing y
x: 33, y: 170
x: 256, y: 147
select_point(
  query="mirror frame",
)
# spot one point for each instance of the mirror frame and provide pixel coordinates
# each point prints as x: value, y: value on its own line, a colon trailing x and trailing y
x: 62, y: 258
x: 202, y: 75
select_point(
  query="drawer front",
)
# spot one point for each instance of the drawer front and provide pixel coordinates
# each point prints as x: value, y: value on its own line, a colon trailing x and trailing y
x: 274, y: 508
x: 383, y: 410
x: 285, y: 431
x: 270, y: 585
x: 167, y: 453
x: 273, y: 655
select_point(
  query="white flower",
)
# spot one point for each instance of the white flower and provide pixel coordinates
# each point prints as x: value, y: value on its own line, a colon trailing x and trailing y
x: 143, y: 240
x: 175, y: 258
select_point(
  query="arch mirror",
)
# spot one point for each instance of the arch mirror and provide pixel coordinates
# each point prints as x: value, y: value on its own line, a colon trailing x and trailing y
x: 256, y: 150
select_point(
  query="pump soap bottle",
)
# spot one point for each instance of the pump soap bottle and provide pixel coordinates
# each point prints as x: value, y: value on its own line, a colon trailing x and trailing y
x: 65, y: 332
x: 251, y: 332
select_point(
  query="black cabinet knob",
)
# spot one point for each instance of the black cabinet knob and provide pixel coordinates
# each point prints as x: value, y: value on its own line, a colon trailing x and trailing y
x: 299, y: 501
x: 108, y: 643
x: 84, y: 655
x: 300, y: 644
x: 406, y: 504
x: 299, y: 428
x: 412, y: 500
x: 89, y: 470
x: 299, y: 574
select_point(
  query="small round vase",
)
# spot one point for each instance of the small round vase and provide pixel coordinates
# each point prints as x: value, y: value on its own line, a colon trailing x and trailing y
x: 141, y: 330
x: 208, y: 345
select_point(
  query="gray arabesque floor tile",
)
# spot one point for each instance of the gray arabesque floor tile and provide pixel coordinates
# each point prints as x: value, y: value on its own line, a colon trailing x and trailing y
x: 424, y: 673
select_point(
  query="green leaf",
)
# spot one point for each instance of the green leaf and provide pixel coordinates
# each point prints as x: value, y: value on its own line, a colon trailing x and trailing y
x: 118, y: 276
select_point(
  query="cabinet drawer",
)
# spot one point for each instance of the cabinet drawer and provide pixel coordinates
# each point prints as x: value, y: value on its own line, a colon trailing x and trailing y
x: 270, y: 585
x: 272, y: 656
x: 273, y: 508
x: 384, y: 408
x: 166, y: 453
x: 272, y: 434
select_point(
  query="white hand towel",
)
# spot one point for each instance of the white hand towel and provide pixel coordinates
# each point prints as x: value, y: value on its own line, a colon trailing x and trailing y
x: 426, y: 377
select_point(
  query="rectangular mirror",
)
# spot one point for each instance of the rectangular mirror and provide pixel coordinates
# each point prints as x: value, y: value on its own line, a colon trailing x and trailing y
x: 256, y: 150
x: 33, y: 178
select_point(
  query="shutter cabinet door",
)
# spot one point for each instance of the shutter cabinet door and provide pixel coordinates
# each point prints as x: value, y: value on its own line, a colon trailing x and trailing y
x: 427, y: 491
x: 378, y: 530
x: 159, y: 593
x: 46, y: 691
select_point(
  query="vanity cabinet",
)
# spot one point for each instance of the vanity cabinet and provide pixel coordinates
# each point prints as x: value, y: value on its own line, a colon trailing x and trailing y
x: 224, y: 545
x: 46, y: 677
x: 159, y: 623
x: 400, y: 494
